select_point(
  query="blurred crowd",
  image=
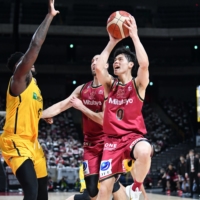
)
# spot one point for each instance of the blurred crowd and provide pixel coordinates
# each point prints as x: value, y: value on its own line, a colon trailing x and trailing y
x: 182, y: 176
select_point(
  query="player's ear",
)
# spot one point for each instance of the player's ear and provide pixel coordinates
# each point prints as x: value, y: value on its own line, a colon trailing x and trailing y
x: 107, y: 65
x: 131, y: 64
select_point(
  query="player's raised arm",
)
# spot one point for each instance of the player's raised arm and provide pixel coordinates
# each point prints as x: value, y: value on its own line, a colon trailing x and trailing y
x: 101, y: 71
x: 61, y: 106
x: 22, y: 70
x: 94, y: 116
x: 142, y: 79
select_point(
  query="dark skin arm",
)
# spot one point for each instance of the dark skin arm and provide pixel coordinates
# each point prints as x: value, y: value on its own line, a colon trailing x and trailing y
x: 22, y: 74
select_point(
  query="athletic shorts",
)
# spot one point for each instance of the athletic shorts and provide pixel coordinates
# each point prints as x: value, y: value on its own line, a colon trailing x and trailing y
x: 16, y: 150
x: 83, y: 196
x: 92, y: 158
x: 115, y: 151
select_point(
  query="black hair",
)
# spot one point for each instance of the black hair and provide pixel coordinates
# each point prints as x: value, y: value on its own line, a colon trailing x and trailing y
x: 131, y: 57
x: 14, y: 58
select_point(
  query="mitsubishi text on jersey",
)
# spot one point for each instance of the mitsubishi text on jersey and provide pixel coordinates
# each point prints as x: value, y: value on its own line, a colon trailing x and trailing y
x: 123, y: 114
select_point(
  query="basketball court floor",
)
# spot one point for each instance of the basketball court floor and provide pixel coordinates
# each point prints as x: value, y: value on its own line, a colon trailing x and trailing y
x: 64, y: 195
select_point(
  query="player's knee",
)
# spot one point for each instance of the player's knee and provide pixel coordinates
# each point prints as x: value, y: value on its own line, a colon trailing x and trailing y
x: 144, y: 156
x: 92, y: 190
x: 103, y: 190
x: 116, y: 187
x: 145, y: 152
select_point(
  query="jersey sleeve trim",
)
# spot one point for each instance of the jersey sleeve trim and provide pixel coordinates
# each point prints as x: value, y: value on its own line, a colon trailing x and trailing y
x: 82, y: 88
x: 137, y: 91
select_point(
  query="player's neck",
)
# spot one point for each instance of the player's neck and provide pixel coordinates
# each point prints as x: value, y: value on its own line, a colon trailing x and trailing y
x: 124, y: 78
x: 95, y: 82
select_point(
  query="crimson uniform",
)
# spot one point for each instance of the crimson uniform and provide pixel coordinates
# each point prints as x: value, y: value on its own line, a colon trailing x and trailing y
x: 123, y: 127
x: 92, y: 98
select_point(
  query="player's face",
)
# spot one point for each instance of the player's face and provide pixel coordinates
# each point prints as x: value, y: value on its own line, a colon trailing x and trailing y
x: 120, y: 65
x: 93, y: 64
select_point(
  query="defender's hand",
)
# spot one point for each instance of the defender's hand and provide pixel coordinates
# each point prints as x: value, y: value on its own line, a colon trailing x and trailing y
x: 48, y: 120
x: 76, y: 103
x: 52, y: 10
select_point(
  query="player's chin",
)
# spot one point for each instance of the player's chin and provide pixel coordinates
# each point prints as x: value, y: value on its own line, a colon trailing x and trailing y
x: 117, y: 73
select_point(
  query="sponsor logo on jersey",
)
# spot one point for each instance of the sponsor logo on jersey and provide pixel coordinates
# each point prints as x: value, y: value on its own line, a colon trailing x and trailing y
x: 120, y: 102
x: 109, y: 146
x: 89, y: 102
x: 86, y: 167
x: 106, y: 167
x: 36, y: 97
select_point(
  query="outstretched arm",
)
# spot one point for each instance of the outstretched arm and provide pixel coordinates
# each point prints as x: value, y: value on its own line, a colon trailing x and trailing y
x: 101, y: 71
x: 142, y: 79
x: 18, y: 83
x: 62, y: 105
x: 94, y: 116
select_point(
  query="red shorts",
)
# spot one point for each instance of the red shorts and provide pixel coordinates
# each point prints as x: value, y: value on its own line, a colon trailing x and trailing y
x: 114, y: 152
x: 92, y: 157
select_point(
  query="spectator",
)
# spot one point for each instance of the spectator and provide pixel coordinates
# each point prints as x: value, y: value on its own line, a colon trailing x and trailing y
x: 181, y: 170
x: 77, y: 185
x: 162, y: 180
x: 192, y: 171
x: 172, y: 180
x: 63, y: 184
x: 50, y: 185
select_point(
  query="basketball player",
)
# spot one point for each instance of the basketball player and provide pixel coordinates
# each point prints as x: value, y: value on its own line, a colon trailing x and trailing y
x: 24, y: 104
x: 124, y: 134
x: 92, y: 96
x: 84, y: 196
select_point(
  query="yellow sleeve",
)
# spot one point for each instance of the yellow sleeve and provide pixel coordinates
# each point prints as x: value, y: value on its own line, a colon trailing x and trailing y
x: 82, y: 180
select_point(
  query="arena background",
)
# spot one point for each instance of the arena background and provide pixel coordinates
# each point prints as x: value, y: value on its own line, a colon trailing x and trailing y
x: 169, y: 31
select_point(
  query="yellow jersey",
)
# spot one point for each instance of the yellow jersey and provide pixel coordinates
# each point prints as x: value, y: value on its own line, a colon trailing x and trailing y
x: 23, y: 112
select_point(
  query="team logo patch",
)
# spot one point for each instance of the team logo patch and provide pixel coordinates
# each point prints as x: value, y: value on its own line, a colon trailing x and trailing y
x: 106, y: 168
x: 86, y: 167
x: 121, y: 93
x: 129, y: 88
x: 92, y: 95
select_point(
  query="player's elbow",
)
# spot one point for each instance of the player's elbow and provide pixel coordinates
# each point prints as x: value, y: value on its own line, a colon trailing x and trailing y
x: 144, y: 65
x: 36, y: 43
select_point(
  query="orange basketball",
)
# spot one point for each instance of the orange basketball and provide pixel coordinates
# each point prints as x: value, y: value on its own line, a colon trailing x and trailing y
x: 115, y: 24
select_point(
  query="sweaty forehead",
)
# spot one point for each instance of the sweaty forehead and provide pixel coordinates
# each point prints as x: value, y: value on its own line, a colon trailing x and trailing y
x: 119, y: 56
x: 95, y: 57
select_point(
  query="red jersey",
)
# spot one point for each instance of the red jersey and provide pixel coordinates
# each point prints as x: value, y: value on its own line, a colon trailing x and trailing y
x: 92, y: 98
x: 123, y: 114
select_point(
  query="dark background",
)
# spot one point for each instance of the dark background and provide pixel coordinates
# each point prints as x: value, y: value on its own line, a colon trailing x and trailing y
x: 169, y: 31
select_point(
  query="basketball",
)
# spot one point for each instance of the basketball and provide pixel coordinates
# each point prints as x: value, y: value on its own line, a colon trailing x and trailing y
x: 115, y: 24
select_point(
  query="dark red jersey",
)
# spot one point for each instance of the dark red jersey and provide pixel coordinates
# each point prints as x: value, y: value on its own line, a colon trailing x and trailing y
x: 122, y: 113
x: 92, y: 98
